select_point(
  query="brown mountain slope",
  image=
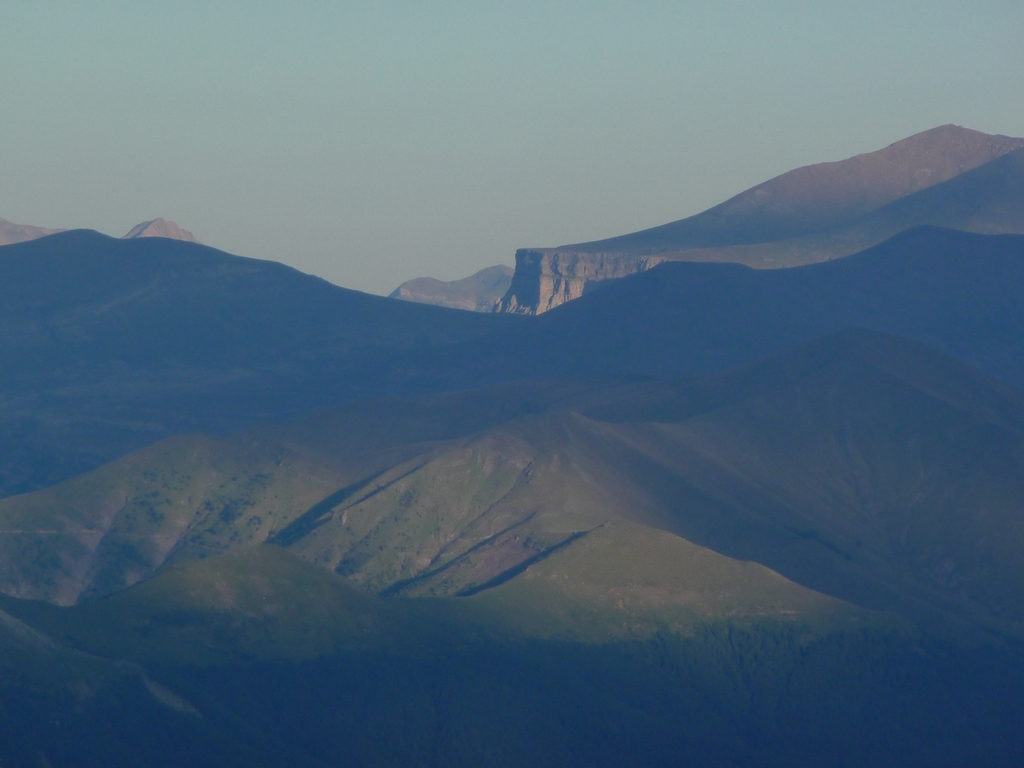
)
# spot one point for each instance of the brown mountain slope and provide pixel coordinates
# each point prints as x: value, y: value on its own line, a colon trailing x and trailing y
x: 160, y: 228
x: 19, y: 233
x: 987, y: 200
x: 821, y: 196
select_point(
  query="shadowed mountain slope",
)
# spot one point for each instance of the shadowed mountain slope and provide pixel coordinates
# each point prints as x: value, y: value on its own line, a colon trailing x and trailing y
x: 285, y: 663
x: 111, y: 344
x: 478, y: 292
x: 954, y: 291
x: 84, y: 296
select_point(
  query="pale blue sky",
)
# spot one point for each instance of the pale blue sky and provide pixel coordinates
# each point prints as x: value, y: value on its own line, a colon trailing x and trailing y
x: 374, y: 142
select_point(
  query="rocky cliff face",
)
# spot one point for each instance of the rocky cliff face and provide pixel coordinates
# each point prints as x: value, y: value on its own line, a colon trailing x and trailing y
x: 546, y: 278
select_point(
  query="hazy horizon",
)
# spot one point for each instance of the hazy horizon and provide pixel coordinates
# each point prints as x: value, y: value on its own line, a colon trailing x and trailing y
x: 373, y: 144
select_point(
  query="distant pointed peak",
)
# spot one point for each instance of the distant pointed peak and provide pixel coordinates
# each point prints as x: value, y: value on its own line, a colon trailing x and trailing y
x: 160, y: 228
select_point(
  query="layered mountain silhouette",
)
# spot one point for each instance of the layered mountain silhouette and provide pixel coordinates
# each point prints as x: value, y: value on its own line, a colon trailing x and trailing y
x: 705, y: 515
x: 478, y: 292
x: 161, y: 337
x: 811, y: 214
x: 110, y: 344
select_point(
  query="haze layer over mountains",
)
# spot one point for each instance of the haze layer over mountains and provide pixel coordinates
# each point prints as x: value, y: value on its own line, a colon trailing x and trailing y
x: 708, y: 514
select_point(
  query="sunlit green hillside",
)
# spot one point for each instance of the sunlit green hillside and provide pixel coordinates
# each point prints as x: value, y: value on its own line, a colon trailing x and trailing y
x: 862, y: 467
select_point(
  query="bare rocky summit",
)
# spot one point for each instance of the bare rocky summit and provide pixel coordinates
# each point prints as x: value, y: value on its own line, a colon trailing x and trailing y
x: 160, y: 228
x: 815, y: 213
x: 479, y: 292
x: 19, y: 233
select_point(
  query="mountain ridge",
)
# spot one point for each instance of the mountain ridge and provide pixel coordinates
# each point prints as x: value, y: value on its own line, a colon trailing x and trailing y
x: 111, y: 343
x: 811, y: 214
x: 952, y: 290
x: 809, y: 194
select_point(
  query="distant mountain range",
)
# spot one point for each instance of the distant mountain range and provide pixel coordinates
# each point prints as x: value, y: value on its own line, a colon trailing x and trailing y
x: 20, y: 233
x: 705, y: 514
x: 816, y: 213
x: 162, y: 337
x: 479, y: 292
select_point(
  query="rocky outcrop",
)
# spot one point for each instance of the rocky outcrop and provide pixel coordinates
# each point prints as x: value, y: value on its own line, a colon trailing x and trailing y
x: 160, y: 228
x: 546, y: 278
x: 478, y: 292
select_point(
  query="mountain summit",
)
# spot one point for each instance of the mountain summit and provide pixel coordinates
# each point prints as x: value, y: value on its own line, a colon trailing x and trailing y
x: 160, y: 228
x: 821, y: 196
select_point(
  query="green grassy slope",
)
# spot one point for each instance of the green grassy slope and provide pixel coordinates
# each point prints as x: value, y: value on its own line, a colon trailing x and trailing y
x: 861, y: 466
x: 192, y: 496
x: 186, y: 497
